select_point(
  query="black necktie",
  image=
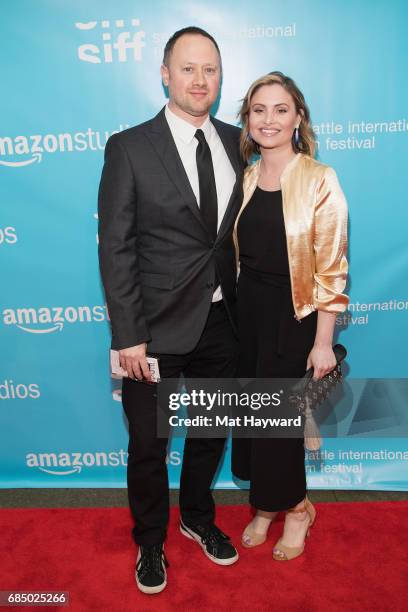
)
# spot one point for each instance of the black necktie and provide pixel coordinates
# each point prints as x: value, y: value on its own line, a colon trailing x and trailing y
x: 206, y: 180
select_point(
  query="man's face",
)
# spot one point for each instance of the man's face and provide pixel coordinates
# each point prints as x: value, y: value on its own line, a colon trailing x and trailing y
x: 192, y: 77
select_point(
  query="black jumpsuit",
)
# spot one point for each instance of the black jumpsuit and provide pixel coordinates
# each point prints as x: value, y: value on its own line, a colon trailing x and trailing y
x: 273, y: 344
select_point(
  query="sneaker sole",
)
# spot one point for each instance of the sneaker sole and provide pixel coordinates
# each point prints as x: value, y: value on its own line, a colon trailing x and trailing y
x: 150, y: 590
x: 189, y: 534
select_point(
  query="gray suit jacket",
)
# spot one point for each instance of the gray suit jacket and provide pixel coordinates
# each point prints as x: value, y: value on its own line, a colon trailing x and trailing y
x: 157, y: 260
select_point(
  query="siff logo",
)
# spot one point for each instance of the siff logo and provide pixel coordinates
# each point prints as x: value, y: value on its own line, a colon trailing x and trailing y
x: 109, y: 50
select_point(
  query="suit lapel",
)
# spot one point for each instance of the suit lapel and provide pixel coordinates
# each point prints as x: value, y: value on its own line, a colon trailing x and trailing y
x: 162, y: 140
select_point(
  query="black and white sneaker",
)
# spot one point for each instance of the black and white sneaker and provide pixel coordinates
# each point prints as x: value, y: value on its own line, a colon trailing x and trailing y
x: 215, y: 544
x: 151, y: 569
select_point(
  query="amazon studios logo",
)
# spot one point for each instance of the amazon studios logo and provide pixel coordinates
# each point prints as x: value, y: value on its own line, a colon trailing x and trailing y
x: 8, y: 235
x: 11, y: 390
x: 46, y: 320
x: 64, y: 464
x: 35, y: 145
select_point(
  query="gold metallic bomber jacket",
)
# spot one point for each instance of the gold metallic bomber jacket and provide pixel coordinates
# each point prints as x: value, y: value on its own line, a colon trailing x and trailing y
x: 315, y: 216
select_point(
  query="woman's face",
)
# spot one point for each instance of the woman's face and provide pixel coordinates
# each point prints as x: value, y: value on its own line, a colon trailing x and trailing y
x: 272, y: 117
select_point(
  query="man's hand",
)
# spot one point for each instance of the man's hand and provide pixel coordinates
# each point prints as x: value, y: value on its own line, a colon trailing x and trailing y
x: 133, y: 360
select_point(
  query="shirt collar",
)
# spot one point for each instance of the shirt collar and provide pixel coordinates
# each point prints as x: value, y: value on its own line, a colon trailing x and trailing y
x: 185, y: 130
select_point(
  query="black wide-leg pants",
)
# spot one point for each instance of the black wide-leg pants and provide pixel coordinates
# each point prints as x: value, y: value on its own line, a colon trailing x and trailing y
x: 215, y: 356
x: 273, y: 344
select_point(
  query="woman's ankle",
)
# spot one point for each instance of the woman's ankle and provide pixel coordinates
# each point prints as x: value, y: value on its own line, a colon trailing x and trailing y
x: 298, y: 516
x: 265, y: 515
x: 261, y: 521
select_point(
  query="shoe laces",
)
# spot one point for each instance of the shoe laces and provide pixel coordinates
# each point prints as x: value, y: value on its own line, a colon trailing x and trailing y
x: 210, y: 534
x: 151, y: 560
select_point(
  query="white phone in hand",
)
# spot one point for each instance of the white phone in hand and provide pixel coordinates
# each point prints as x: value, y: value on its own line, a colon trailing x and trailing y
x: 118, y: 372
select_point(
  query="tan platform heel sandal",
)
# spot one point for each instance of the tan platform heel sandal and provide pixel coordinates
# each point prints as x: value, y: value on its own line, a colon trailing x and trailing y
x: 251, y: 538
x: 287, y: 553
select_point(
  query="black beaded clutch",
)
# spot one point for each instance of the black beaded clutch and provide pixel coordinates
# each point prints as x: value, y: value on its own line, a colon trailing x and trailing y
x: 308, y: 393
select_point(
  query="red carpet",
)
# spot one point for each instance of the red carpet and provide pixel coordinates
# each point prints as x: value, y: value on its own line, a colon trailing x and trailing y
x: 355, y: 560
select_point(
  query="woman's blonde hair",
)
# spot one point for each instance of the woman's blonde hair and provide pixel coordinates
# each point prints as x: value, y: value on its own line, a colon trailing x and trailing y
x: 306, y: 137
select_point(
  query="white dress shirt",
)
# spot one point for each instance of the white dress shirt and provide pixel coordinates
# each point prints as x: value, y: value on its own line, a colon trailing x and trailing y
x: 183, y: 134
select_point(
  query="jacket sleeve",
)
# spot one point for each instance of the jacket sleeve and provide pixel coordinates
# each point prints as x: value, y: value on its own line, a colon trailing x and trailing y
x: 330, y: 245
x: 118, y: 257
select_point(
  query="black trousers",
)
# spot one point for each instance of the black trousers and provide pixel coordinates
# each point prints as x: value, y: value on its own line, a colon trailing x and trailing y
x: 215, y: 356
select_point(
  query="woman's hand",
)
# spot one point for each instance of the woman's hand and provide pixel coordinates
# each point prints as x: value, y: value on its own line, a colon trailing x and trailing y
x: 322, y: 359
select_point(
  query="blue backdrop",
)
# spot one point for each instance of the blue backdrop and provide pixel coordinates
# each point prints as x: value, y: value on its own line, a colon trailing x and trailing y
x: 74, y: 72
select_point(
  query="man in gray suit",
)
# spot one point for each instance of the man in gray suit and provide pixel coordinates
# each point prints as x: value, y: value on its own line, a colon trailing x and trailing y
x: 169, y: 194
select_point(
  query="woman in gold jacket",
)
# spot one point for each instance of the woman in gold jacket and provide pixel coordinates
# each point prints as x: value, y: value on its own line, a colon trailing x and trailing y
x: 291, y: 242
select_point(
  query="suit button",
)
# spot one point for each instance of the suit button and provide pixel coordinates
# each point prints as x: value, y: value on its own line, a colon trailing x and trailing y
x: 209, y: 285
